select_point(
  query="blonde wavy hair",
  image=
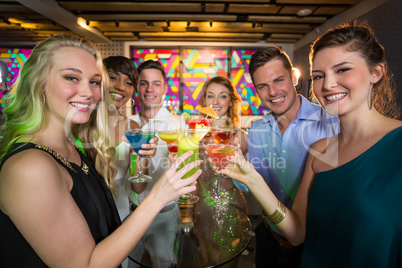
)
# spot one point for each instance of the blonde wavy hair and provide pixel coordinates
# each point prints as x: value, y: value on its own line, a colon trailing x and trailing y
x: 25, y: 114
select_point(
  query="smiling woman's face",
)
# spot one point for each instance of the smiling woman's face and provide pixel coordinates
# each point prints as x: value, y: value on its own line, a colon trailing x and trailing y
x: 342, y: 80
x: 121, y: 88
x: 218, y: 97
x: 74, y: 86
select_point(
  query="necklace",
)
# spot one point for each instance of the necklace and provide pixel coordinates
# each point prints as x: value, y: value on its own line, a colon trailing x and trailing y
x: 56, y: 155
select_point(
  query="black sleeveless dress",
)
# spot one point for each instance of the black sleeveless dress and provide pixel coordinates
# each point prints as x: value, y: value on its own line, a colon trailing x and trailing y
x: 89, y: 192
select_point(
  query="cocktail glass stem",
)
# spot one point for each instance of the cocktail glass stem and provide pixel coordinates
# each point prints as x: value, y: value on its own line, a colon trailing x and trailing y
x: 218, y: 186
x: 140, y: 177
x: 139, y: 164
x: 217, y: 199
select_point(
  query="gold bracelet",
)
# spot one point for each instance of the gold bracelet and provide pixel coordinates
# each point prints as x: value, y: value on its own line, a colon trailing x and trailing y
x: 278, y: 215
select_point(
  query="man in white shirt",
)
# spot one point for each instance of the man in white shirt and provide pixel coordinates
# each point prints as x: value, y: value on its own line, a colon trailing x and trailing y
x: 159, y: 238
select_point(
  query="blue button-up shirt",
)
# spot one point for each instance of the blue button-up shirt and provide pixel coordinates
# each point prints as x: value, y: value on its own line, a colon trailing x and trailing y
x: 280, y: 159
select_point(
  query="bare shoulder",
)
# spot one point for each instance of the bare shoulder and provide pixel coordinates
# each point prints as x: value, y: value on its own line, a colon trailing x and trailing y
x: 384, y: 127
x: 393, y: 124
x: 35, y: 194
x: 321, y: 146
x: 28, y: 161
x: 323, y: 154
x: 26, y: 171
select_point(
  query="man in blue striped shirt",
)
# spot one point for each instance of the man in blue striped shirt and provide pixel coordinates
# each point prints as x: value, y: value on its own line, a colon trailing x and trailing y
x: 278, y: 144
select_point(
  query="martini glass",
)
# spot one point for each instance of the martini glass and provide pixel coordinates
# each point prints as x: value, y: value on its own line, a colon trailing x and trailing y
x: 189, y: 141
x: 218, y: 154
x: 195, y: 120
x: 171, y: 138
x: 137, y: 137
x: 223, y: 135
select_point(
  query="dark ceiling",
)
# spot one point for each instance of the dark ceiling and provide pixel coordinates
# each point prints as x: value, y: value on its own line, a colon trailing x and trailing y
x: 157, y: 20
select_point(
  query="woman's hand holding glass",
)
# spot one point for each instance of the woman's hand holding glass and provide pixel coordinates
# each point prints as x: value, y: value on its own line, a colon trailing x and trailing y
x: 171, y: 185
x: 217, y: 156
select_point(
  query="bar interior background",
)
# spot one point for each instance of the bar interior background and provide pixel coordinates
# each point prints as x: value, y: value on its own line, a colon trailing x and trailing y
x: 196, y: 40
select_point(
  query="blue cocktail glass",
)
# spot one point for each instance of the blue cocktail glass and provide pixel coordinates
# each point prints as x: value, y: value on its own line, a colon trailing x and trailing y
x: 136, y: 138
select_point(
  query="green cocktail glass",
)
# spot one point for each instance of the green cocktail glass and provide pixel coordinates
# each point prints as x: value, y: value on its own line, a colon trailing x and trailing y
x: 189, y: 141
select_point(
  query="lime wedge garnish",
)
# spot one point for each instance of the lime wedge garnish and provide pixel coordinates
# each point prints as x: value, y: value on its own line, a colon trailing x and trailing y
x: 224, y: 149
x: 184, y: 117
x: 229, y: 150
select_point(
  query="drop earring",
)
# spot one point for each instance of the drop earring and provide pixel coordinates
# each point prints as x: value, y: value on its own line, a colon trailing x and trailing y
x: 44, y: 99
x: 371, y: 98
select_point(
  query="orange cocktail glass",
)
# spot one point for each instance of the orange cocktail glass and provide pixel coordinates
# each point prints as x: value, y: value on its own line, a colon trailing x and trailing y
x: 171, y: 138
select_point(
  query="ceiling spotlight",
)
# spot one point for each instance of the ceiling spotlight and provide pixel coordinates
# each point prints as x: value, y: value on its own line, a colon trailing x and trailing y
x: 304, y: 12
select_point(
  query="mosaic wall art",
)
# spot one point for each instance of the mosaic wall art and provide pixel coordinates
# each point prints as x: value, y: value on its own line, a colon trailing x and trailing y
x: 251, y: 103
x: 200, y: 65
x: 171, y: 62
x: 13, y: 58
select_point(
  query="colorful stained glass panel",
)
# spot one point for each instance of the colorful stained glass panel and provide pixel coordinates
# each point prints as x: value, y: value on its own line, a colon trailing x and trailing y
x: 171, y: 62
x: 200, y: 65
x: 251, y: 103
x: 14, y: 58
